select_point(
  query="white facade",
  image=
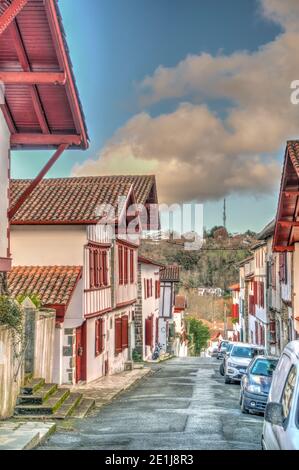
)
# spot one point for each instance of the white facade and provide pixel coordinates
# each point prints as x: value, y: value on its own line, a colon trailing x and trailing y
x: 4, y: 200
x: 150, y: 306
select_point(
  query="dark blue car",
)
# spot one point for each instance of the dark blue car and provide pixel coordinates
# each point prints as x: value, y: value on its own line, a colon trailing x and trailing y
x: 255, y: 384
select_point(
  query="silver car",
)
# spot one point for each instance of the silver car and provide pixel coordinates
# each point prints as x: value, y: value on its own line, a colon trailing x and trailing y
x: 239, y: 359
x: 281, y: 423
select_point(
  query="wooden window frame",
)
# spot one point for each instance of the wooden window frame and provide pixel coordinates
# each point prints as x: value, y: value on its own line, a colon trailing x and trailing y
x: 121, y: 334
x: 98, y: 267
x: 132, y: 270
x: 121, y: 265
x: 99, y: 336
x: 126, y: 265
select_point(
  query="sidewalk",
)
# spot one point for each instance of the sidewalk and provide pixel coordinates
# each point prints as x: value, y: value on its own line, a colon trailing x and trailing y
x: 24, y: 435
x: 105, y: 389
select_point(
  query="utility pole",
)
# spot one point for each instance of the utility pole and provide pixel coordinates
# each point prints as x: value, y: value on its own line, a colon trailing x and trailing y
x: 224, y: 213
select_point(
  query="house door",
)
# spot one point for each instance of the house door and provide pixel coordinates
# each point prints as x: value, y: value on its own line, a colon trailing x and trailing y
x: 81, y: 353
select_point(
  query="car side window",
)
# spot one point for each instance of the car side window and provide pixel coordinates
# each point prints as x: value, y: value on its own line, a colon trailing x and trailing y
x: 279, y: 377
x: 287, y: 395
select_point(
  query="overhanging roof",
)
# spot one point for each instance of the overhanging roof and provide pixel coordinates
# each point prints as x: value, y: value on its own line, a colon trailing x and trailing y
x: 287, y: 218
x: 42, y: 106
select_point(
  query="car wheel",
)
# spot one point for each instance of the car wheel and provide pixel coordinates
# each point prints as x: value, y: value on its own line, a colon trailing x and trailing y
x: 221, y: 369
x: 227, y: 380
x: 243, y: 408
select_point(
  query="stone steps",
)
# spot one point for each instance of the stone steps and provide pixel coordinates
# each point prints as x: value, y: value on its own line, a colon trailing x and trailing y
x: 47, y: 407
x: 39, y: 397
x: 41, y: 401
x: 83, y: 408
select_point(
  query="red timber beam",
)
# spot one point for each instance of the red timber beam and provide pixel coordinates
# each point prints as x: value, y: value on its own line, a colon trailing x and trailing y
x: 33, y: 78
x: 63, y: 59
x: 44, y: 139
x: 13, y: 210
x: 23, y: 59
x: 288, y: 223
x: 10, y: 13
x: 282, y: 249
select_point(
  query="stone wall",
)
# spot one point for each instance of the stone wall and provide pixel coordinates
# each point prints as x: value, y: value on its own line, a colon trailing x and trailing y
x: 11, y: 375
x: 34, y: 357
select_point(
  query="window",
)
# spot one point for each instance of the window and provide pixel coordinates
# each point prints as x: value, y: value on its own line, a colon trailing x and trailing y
x: 149, y: 332
x: 283, y: 271
x: 132, y: 273
x: 121, y: 334
x: 126, y: 270
x: 288, y: 392
x: 98, y: 267
x: 120, y: 265
x: 99, y: 336
x: 157, y: 289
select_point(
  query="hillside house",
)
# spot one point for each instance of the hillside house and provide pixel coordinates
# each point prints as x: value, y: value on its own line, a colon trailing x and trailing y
x: 147, y: 307
x: 80, y: 222
x: 235, y: 315
x: 169, y: 278
x: 180, y: 344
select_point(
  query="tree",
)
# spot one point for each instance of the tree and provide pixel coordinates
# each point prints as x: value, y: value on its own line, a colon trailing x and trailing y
x: 199, y: 333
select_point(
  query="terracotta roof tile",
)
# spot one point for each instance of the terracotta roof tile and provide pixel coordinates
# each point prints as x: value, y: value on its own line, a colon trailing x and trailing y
x: 170, y: 273
x: 62, y: 200
x: 180, y: 301
x: 52, y: 284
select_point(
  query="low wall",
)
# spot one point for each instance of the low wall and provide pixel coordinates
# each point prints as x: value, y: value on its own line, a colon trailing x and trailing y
x: 37, y: 358
x: 44, y: 345
x: 11, y: 375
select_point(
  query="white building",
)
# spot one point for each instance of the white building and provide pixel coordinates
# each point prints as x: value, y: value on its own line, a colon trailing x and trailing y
x: 169, y: 277
x: 147, y: 307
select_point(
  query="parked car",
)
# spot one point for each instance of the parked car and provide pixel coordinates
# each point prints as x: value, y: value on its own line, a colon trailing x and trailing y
x: 222, y: 348
x: 239, y: 359
x: 255, y: 384
x: 281, y: 422
x: 225, y: 356
x: 214, y: 352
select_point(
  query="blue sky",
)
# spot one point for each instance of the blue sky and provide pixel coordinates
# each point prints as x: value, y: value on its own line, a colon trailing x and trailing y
x: 115, y: 44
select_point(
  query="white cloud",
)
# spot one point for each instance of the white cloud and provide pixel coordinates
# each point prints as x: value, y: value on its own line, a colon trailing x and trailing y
x: 195, y: 153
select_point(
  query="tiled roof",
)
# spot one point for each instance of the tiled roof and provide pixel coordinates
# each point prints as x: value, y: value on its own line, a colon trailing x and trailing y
x: 267, y: 231
x: 63, y: 200
x: 180, y: 301
x: 144, y: 260
x: 170, y: 273
x: 53, y: 285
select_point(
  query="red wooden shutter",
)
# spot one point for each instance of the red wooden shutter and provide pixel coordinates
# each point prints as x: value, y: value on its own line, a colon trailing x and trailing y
x: 118, y: 331
x: 120, y: 265
x: 132, y: 266
x: 125, y: 331
x: 100, y: 335
x: 91, y: 268
x: 105, y: 267
x: 126, y: 265
x: 255, y: 292
x: 151, y: 287
x: 148, y: 332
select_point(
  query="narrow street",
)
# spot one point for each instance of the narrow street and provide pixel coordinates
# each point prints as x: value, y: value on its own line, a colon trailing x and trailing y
x: 185, y: 405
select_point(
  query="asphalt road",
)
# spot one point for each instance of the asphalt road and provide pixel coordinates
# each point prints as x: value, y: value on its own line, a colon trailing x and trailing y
x: 185, y: 405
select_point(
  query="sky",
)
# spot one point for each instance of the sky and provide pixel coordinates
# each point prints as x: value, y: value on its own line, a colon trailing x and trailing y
x: 196, y: 92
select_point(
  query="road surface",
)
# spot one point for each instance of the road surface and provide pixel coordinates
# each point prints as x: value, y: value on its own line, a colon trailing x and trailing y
x: 184, y: 405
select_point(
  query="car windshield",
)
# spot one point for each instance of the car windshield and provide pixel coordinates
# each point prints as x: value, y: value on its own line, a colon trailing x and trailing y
x: 264, y: 367
x: 243, y: 351
x: 229, y: 347
x: 224, y: 345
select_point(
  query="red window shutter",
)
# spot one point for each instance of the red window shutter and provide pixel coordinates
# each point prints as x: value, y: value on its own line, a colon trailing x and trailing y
x: 118, y: 334
x: 255, y: 292
x: 126, y: 265
x: 104, y: 268
x: 157, y: 330
x: 125, y: 332
x: 100, y: 335
x: 120, y: 265
x: 91, y: 268
x: 132, y: 274
x: 151, y: 282
x: 144, y: 287
x: 148, y: 332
